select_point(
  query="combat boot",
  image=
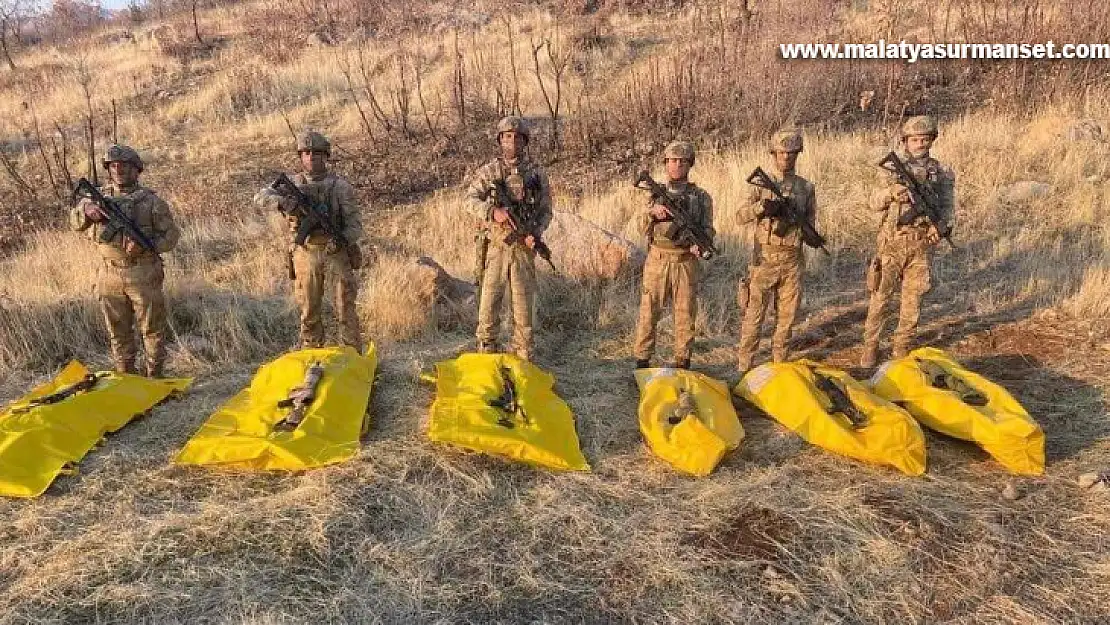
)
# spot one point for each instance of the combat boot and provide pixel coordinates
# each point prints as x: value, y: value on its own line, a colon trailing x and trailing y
x: 126, y: 367
x: 900, y: 350
x: 643, y: 363
x: 487, y: 348
x: 682, y: 364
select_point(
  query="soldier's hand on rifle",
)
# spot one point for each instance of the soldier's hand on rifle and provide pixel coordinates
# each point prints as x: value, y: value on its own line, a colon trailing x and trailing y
x: 771, y: 207
x: 530, y: 241
x: 91, y: 209
x: 287, y: 204
x: 932, y: 237
x: 660, y: 212
x: 695, y: 250
x: 500, y: 215
x: 131, y: 247
x: 900, y: 193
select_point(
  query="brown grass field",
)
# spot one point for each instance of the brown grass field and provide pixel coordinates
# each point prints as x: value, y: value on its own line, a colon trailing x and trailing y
x: 413, y: 532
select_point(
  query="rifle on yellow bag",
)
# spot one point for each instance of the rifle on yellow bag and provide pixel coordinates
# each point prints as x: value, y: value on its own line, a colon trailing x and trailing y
x: 939, y: 377
x: 684, y: 407
x: 507, y: 402
x: 85, y: 385
x: 300, y: 399
x: 839, y: 400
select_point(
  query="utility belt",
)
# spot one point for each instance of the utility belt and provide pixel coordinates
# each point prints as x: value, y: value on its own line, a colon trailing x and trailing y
x: 670, y: 249
x: 124, y: 263
x: 911, y: 234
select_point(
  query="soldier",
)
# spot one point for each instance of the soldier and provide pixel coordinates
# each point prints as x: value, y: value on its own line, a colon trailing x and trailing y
x: 904, y: 252
x: 776, y: 262
x: 671, y: 271
x: 511, y: 267
x: 129, y: 280
x: 321, y: 256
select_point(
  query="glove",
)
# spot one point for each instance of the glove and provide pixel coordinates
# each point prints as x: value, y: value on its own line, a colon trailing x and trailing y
x: 287, y: 205
x: 90, y: 209
x: 772, y: 208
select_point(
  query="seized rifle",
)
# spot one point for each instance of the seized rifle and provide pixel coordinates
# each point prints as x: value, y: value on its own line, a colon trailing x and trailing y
x: 310, y: 214
x: 507, y: 402
x: 300, y: 398
x: 683, y: 408
x: 117, y: 221
x: 939, y: 377
x: 684, y: 230
x: 523, y: 218
x: 84, y: 385
x: 789, y: 216
x: 922, y: 199
x: 839, y: 400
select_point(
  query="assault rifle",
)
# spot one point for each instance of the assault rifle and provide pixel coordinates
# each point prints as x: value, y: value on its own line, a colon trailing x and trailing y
x: 300, y: 399
x: 922, y: 200
x: 85, y: 385
x: 117, y: 220
x: 685, y: 231
x: 839, y: 400
x: 523, y: 219
x: 310, y: 214
x: 507, y: 402
x: 788, y: 217
x: 939, y: 377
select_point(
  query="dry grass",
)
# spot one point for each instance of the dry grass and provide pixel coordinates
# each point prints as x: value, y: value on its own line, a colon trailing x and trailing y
x: 411, y: 532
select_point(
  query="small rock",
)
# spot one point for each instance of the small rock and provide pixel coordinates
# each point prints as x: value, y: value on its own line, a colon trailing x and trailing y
x: 1088, y: 480
x: 1100, y: 487
x: 1011, y: 492
x: 784, y: 599
x: 771, y: 573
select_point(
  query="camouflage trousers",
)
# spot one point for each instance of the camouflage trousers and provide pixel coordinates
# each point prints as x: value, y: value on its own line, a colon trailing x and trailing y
x: 130, y: 294
x: 673, y: 275
x: 313, y: 266
x: 777, y: 273
x: 907, y: 263
x: 512, y: 268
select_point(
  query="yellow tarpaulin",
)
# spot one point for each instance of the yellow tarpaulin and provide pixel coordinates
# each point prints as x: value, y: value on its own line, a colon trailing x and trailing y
x: 952, y: 400
x: 687, y: 418
x: 39, y: 438
x: 828, y: 408
x: 502, y: 405
x: 247, y: 432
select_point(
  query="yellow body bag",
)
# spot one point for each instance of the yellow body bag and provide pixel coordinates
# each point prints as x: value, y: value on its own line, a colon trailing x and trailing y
x: 687, y: 418
x: 502, y: 405
x: 245, y: 433
x: 952, y: 400
x: 38, y: 440
x: 871, y: 429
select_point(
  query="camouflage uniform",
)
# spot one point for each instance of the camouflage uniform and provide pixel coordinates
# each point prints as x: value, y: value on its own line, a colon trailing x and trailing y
x: 319, y: 257
x: 904, y: 253
x: 129, y: 286
x: 511, y: 267
x: 671, y: 271
x: 776, y: 262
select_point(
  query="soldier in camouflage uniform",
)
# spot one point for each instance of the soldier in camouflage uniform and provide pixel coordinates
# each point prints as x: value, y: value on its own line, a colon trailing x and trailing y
x: 776, y: 263
x: 904, y: 253
x: 671, y: 271
x: 129, y: 279
x: 511, y: 267
x: 321, y: 258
